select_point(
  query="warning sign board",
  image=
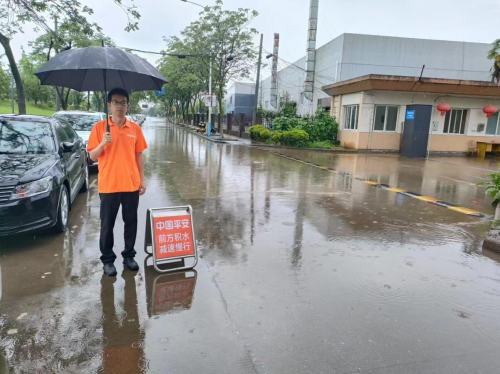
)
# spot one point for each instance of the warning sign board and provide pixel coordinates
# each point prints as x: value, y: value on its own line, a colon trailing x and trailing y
x: 173, y: 237
x: 170, y: 233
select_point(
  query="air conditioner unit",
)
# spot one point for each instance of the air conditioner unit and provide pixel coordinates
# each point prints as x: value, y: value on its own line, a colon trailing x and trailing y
x: 480, y: 127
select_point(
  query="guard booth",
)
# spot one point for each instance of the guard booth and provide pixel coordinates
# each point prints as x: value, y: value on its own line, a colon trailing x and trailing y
x: 416, y: 131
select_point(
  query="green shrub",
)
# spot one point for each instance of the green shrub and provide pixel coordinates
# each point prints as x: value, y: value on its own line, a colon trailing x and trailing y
x: 277, y: 138
x: 259, y: 133
x: 320, y: 145
x: 284, y: 124
x: 42, y: 106
x: 50, y: 104
x: 297, y: 138
x: 265, y: 135
x: 294, y: 138
x: 323, y: 128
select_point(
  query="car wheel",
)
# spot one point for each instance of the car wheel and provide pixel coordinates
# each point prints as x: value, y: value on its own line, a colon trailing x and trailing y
x: 63, y: 211
x: 85, y: 185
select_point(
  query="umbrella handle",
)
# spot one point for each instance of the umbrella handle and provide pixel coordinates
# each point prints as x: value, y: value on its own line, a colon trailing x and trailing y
x: 105, y: 99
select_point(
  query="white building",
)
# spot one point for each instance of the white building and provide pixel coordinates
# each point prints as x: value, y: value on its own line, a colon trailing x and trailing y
x: 351, y: 56
x: 240, y: 98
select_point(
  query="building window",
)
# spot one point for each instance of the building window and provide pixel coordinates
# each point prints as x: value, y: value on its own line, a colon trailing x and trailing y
x: 454, y: 122
x: 351, y: 117
x: 492, y: 127
x: 386, y: 118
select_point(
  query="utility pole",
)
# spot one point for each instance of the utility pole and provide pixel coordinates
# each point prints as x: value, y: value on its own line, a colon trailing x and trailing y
x: 12, y: 92
x: 209, y: 124
x: 58, y: 100
x: 274, y: 81
x: 256, y: 99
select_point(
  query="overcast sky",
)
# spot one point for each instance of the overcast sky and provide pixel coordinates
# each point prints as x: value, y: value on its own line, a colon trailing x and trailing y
x: 460, y: 20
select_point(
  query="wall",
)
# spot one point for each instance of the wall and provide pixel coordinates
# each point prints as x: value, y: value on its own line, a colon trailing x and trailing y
x: 243, y: 103
x: 439, y: 141
x: 359, y: 55
x: 291, y: 78
x: 369, y: 54
x: 239, y: 97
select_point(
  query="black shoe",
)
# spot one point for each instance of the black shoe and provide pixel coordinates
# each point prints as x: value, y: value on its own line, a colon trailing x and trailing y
x: 110, y: 270
x: 130, y: 263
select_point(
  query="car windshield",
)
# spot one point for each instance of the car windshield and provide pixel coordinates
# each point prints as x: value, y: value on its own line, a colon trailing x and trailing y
x: 79, y: 122
x: 20, y: 137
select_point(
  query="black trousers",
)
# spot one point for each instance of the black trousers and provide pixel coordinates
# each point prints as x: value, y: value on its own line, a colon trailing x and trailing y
x: 110, y: 203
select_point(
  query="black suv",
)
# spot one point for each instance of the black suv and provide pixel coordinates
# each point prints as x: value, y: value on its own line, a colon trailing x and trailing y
x: 42, y: 169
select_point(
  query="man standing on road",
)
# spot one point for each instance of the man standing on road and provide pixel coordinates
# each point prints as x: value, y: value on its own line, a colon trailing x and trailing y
x: 121, y: 177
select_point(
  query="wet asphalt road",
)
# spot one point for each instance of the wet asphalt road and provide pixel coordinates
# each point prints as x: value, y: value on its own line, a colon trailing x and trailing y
x: 301, y: 271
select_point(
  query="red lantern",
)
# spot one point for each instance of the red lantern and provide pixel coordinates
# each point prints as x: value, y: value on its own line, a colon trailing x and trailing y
x: 489, y: 110
x: 443, y: 108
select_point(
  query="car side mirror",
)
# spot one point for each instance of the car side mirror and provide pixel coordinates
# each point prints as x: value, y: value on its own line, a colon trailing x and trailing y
x: 68, y: 147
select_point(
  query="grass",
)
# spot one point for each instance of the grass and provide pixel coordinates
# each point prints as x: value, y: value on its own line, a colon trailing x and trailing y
x: 5, y: 108
x: 320, y: 145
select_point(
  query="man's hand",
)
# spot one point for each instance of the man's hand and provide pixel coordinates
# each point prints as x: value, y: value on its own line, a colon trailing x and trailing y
x: 106, y: 139
x: 142, y: 189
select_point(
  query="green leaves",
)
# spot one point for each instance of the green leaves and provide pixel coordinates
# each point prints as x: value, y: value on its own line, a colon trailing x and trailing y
x: 217, y: 35
x: 492, y: 187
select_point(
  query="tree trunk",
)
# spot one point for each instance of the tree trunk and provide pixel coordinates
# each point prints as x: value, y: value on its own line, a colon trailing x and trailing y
x: 221, y: 131
x: 21, y: 100
x: 497, y: 213
x: 62, y: 98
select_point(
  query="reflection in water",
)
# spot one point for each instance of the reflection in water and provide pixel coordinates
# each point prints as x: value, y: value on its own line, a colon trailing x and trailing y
x: 124, y: 338
x: 169, y: 293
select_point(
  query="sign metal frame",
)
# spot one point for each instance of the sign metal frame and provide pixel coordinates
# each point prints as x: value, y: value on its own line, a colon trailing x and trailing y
x: 149, y: 239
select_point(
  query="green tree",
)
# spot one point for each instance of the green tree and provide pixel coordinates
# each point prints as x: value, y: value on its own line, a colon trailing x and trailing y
x: 32, y: 89
x: 68, y: 36
x: 15, y: 13
x: 4, y: 84
x: 494, y: 55
x: 97, y: 102
x: 220, y: 36
x: 184, y: 81
x: 77, y: 98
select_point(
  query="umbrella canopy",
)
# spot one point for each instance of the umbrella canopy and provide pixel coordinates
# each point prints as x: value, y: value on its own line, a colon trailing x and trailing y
x: 100, y: 69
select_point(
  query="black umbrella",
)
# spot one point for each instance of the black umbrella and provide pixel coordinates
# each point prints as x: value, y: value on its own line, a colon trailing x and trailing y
x: 99, y: 68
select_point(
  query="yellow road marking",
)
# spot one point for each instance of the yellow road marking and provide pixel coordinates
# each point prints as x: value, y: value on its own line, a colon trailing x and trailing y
x: 428, y: 199
x: 393, y: 189
x: 425, y: 198
x: 463, y: 210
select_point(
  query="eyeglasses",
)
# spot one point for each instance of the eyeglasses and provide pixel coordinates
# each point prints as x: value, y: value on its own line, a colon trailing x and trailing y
x: 119, y: 103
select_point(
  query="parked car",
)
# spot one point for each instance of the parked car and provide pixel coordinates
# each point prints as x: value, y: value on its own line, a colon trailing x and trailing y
x: 82, y: 123
x: 137, y: 118
x: 42, y: 170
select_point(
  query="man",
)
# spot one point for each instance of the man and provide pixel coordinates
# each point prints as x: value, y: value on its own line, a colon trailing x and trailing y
x: 121, y: 177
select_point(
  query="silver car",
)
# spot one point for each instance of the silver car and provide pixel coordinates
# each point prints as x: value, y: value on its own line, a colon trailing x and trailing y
x: 82, y: 123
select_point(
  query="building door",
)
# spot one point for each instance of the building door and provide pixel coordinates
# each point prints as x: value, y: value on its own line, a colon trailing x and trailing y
x: 416, y: 131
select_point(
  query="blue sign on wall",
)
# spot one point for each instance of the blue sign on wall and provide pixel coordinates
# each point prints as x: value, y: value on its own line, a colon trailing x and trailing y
x: 161, y: 92
x: 410, y: 114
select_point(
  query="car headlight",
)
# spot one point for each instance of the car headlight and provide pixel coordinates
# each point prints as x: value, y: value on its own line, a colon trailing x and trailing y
x: 32, y: 188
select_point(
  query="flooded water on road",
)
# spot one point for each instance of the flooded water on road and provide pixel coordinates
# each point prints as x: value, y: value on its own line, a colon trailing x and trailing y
x: 301, y: 271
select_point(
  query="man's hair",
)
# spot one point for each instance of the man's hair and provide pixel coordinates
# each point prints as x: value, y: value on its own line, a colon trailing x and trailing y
x: 117, y: 91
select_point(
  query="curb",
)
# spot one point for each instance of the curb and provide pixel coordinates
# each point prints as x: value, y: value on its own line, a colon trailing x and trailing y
x: 257, y: 144
x: 200, y: 135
